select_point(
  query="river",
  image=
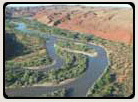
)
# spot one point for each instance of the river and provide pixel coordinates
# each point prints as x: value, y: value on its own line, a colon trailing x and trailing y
x: 76, y: 88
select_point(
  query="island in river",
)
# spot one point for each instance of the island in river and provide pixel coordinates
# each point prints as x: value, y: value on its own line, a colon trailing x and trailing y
x: 46, y: 61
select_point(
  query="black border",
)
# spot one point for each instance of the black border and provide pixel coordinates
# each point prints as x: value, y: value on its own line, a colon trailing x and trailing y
x: 129, y: 3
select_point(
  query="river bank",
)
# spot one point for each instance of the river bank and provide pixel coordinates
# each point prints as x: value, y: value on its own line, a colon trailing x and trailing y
x: 79, y: 86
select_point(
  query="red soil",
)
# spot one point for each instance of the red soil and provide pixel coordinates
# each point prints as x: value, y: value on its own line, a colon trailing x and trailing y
x: 109, y: 23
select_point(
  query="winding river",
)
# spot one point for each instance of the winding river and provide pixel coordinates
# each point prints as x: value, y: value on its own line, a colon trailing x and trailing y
x: 76, y: 88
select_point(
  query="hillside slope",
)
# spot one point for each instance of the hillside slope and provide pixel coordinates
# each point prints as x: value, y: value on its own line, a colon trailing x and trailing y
x: 114, y: 24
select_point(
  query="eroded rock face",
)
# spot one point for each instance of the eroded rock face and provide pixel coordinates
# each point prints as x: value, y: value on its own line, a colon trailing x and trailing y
x: 114, y: 24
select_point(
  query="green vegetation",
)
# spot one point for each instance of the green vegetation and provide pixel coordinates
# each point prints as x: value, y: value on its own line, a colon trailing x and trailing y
x: 22, y: 77
x: 120, y: 55
x: 9, y: 24
x: 116, y: 81
x: 75, y: 46
x: 56, y: 93
x: 75, y: 65
x: 33, y: 56
x: 30, y: 60
x: 23, y: 51
x: 39, y: 27
x: 33, y: 52
x: 103, y: 81
x: 104, y: 87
